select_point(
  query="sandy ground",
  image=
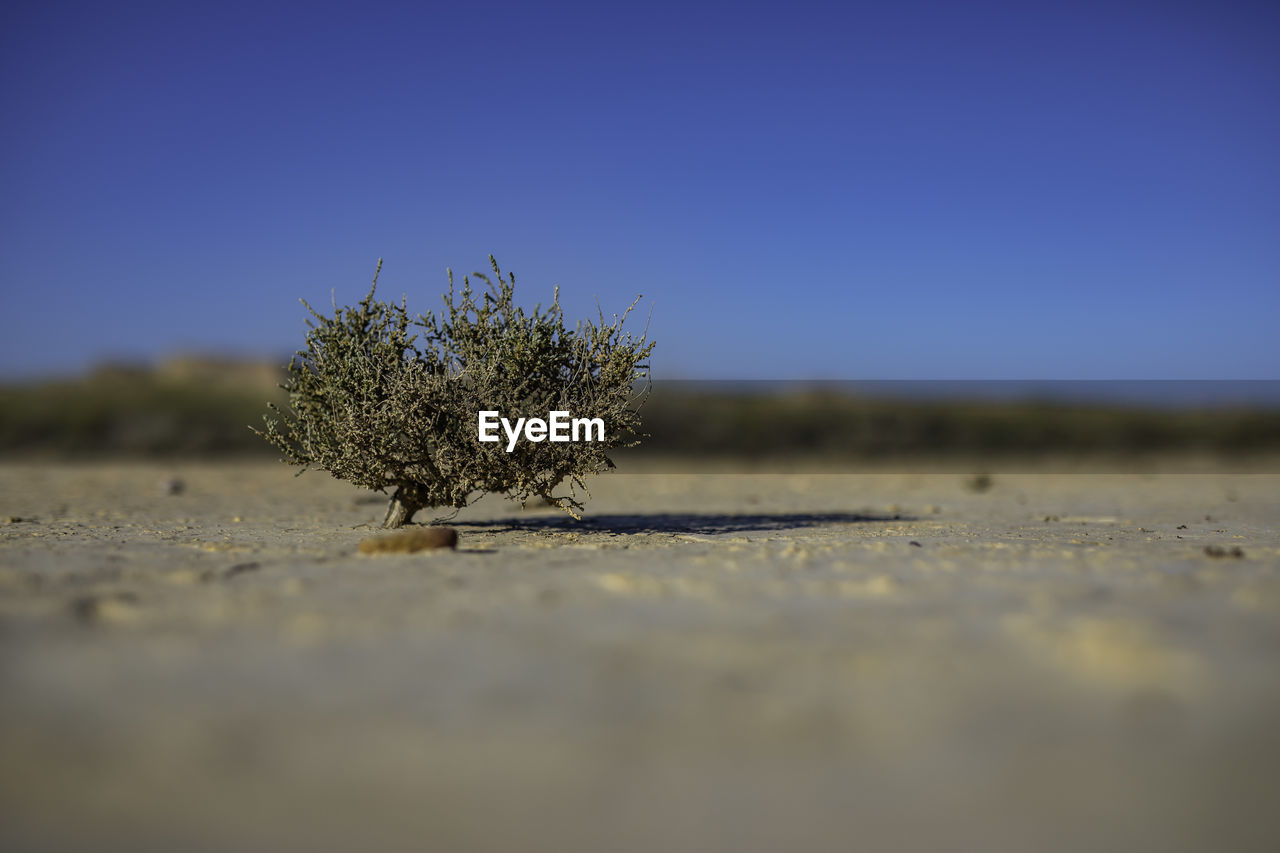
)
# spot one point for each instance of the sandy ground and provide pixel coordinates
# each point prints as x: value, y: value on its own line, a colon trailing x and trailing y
x: 711, y: 661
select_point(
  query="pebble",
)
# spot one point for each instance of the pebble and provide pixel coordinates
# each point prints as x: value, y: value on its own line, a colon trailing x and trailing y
x: 119, y: 607
x: 411, y: 541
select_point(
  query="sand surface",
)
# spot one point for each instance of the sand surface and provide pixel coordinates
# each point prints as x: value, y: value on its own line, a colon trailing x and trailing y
x: 710, y: 661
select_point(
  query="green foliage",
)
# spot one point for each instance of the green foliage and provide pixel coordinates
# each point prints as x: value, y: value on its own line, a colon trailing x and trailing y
x: 387, y: 401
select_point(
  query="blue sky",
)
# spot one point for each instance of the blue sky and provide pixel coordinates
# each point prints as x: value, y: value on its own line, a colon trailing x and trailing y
x: 926, y: 190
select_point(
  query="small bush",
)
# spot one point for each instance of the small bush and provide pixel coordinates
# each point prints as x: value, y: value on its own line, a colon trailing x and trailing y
x: 387, y: 401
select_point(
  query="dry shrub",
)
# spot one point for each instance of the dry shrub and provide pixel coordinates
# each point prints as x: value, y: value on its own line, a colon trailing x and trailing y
x: 388, y: 401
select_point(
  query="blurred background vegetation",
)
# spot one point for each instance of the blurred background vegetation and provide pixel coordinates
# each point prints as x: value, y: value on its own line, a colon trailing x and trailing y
x: 193, y: 406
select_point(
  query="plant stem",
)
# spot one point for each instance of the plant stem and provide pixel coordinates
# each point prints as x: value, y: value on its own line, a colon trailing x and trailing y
x: 400, y: 511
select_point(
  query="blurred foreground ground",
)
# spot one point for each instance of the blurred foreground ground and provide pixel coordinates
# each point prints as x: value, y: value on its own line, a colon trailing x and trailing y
x: 710, y: 661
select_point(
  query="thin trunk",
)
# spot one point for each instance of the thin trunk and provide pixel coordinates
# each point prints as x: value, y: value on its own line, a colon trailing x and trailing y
x: 400, y: 511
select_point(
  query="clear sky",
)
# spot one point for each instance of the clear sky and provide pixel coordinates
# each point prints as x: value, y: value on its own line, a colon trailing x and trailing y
x: 848, y: 190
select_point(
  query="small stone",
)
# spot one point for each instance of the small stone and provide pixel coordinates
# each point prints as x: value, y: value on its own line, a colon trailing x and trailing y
x: 979, y: 483
x: 411, y: 541
x: 118, y: 607
x: 1235, y: 552
x: 183, y: 577
x: 228, y: 573
x: 173, y: 486
x: 241, y: 568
